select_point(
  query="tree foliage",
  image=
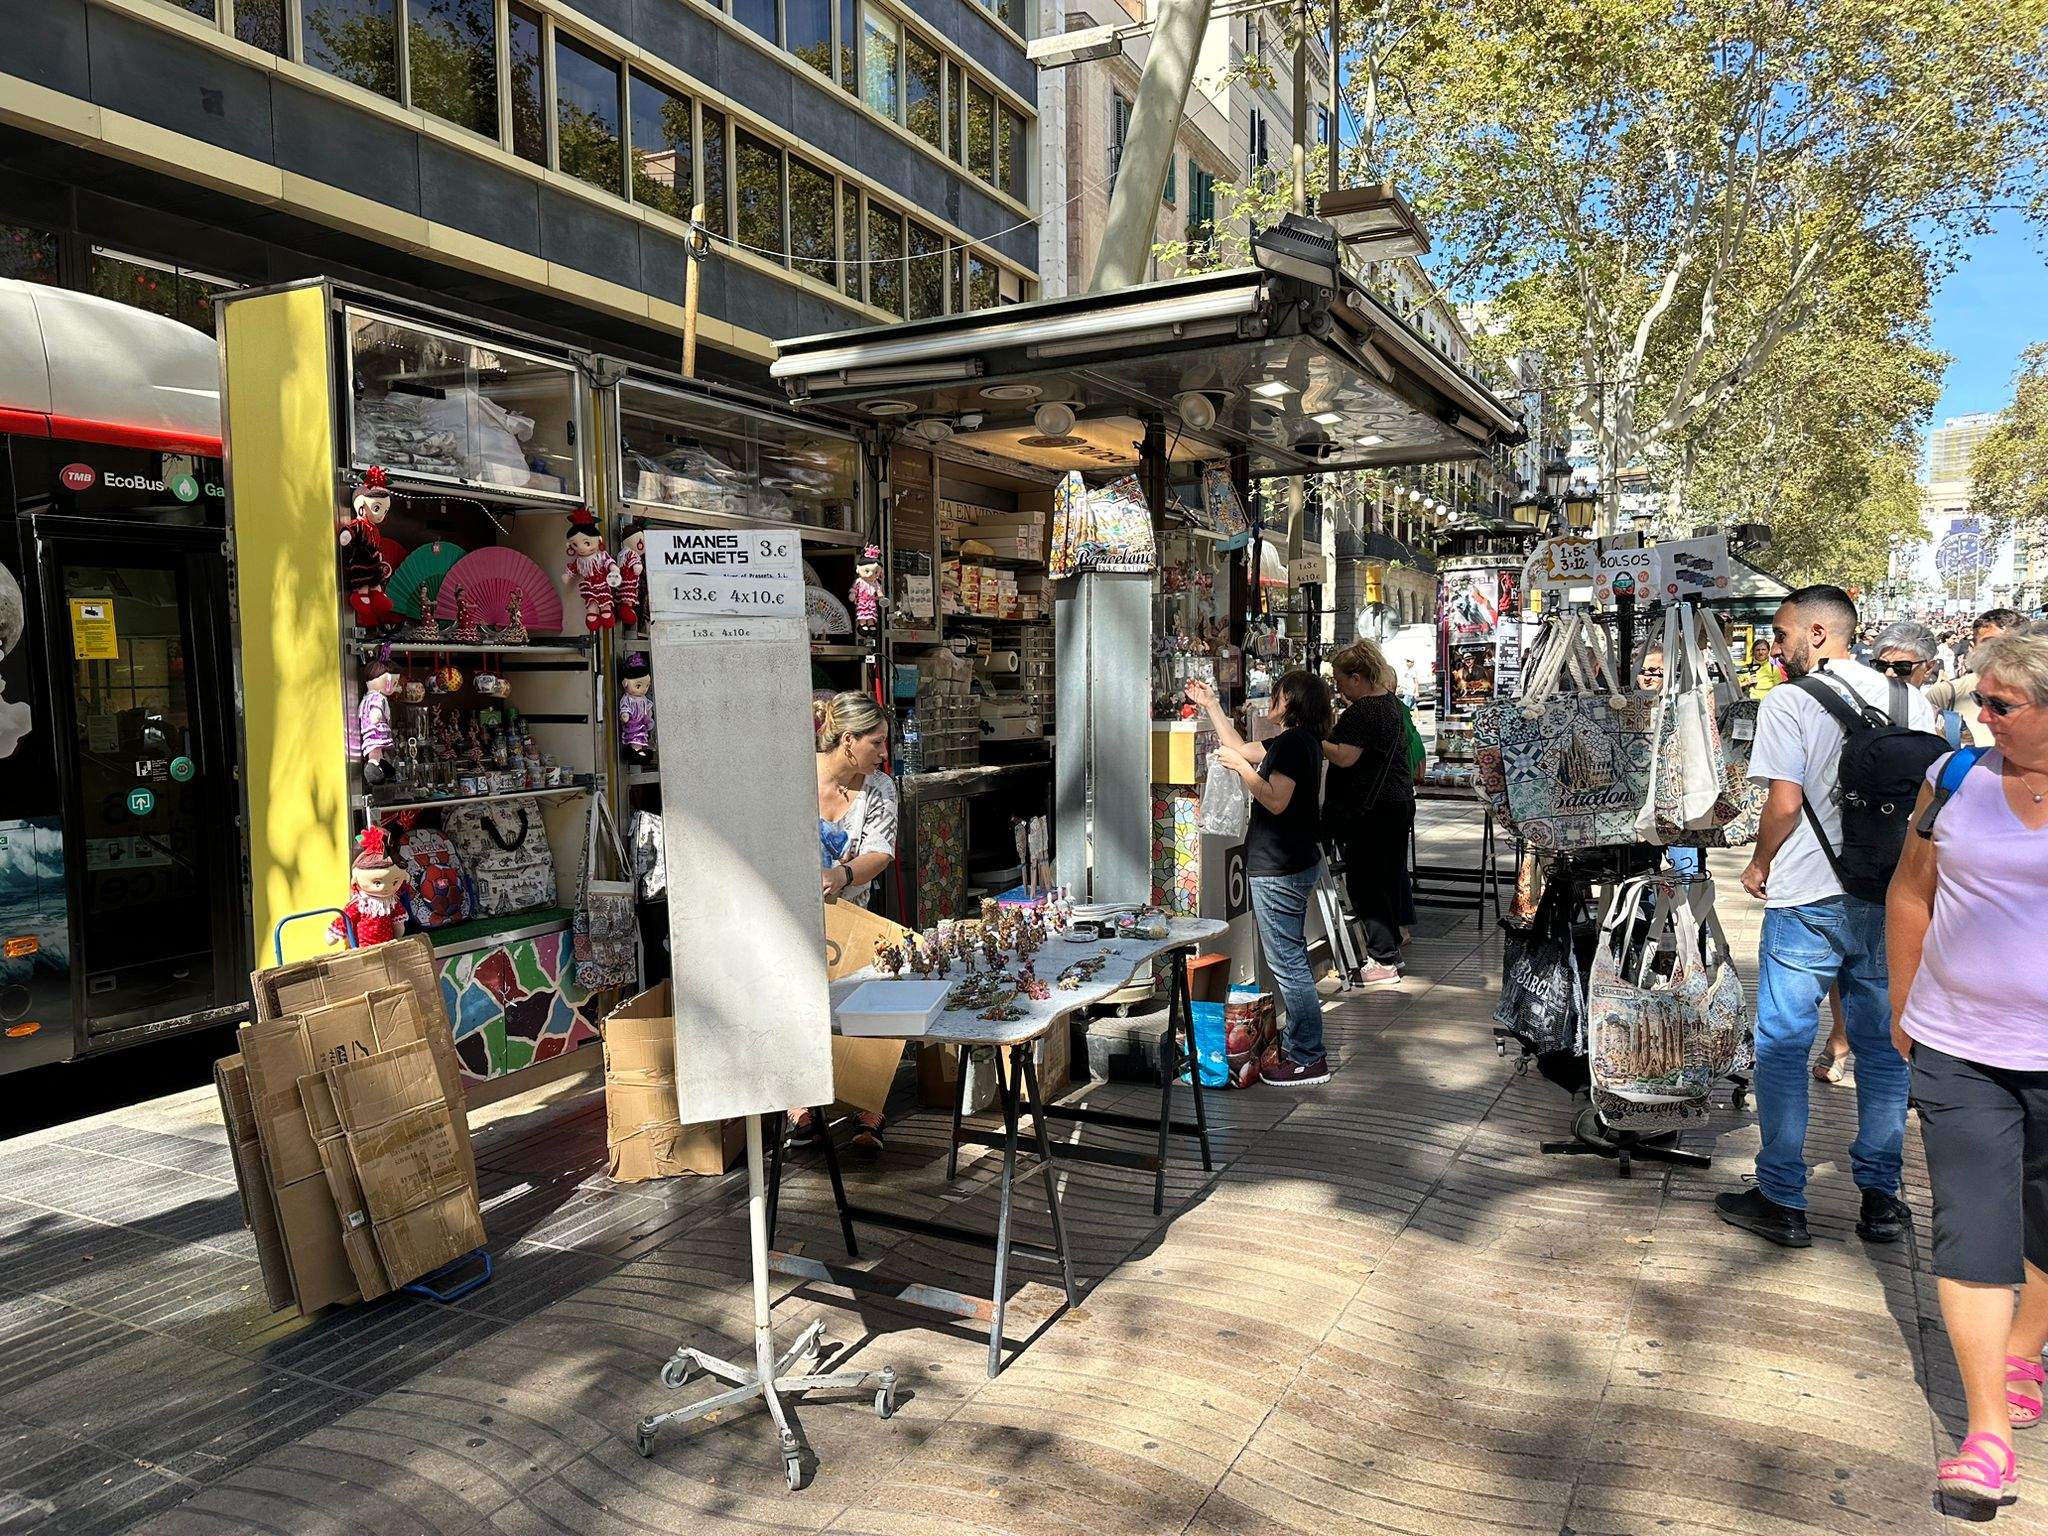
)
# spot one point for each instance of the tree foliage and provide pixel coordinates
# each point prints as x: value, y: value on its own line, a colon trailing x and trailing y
x: 2009, y: 470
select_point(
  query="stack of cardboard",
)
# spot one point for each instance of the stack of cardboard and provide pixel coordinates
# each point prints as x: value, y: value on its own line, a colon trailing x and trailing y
x: 349, y: 1128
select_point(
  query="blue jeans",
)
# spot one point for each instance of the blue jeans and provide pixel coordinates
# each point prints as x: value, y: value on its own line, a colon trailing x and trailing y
x: 1280, y: 907
x: 1805, y: 951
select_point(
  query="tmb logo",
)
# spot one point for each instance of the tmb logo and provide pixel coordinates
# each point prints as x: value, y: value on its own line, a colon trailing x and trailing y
x: 78, y: 477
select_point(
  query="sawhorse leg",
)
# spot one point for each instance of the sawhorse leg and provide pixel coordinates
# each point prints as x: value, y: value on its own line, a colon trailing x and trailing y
x: 1180, y: 1030
x: 822, y: 1120
x: 1052, y: 1193
x: 959, y: 1102
x: 1006, y: 1090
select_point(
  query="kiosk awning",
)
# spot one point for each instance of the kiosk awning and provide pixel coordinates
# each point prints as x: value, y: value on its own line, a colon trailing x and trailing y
x: 1304, y: 376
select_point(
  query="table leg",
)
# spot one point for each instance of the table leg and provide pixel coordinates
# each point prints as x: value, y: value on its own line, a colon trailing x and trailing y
x: 959, y: 1100
x: 1187, y: 1017
x: 1052, y: 1193
x: 1169, y: 1067
x: 1006, y: 1090
x: 838, y: 1185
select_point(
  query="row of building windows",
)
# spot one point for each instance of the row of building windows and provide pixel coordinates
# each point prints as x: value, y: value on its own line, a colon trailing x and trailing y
x: 441, y: 57
x: 33, y: 256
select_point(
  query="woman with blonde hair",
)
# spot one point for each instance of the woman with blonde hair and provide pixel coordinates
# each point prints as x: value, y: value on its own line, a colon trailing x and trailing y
x: 1369, y: 804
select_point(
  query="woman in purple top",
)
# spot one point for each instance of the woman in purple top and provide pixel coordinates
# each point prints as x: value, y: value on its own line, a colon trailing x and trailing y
x: 1970, y: 1011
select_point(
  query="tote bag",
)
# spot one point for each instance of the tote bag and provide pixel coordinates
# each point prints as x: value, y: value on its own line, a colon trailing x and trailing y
x: 504, y: 845
x: 1739, y: 808
x: 605, y: 934
x: 1687, y: 773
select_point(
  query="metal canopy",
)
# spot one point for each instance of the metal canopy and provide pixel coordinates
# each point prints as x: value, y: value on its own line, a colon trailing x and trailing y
x: 1303, y: 376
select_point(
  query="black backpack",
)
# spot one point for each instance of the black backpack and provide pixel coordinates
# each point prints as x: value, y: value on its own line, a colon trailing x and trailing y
x: 1884, y: 763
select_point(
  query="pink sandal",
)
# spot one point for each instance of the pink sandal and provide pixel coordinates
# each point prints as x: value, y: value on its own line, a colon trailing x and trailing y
x: 1982, y: 1469
x: 2024, y: 1411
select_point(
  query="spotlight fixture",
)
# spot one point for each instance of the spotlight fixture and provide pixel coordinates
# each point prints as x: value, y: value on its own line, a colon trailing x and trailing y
x: 1053, y: 419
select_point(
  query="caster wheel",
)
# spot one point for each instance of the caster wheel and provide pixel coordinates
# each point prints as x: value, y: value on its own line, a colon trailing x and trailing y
x: 675, y: 1372
x: 643, y: 1441
x: 885, y: 1403
x: 1623, y: 1166
x: 794, y: 1472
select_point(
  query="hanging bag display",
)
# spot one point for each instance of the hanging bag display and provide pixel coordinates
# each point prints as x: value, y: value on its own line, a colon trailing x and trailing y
x: 605, y: 934
x: 1542, y: 995
x: 1686, y: 768
x: 1739, y: 808
x: 504, y: 845
x: 438, y: 889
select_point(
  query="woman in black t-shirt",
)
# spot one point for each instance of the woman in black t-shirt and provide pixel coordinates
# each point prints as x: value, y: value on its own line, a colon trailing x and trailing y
x: 1283, y: 856
x: 1369, y: 804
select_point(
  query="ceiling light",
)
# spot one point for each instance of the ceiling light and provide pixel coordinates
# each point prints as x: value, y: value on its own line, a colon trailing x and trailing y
x: 1272, y: 389
x: 1012, y: 392
x: 1371, y: 440
x: 1326, y: 418
x: 888, y: 407
x: 933, y: 429
x: 1053, y: 419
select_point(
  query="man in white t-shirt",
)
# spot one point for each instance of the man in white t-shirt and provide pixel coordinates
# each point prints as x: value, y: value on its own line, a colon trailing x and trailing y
x: 1815, y: 935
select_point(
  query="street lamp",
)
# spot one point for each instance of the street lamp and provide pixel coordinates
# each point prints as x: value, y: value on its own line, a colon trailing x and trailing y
x: 1528, y: 509
x: 1579, y: 505
x: 1557, y: 474
x: 1373, y: 221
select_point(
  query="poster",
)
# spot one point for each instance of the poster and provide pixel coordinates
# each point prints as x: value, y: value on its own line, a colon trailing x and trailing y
x: 92, y: 629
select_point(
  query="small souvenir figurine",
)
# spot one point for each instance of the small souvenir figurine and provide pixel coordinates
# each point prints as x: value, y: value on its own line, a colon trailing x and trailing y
x: 632, y: 574
x: 867, y: 594
x: 592, y: 571
x: 466, y: 630
x: 1036, y: 990
x: 373, y: 720
x: 374, y: 912
x: 888, y: 958
x: 636, y: 711
x: 364, y: 570
x: 428, y: 629
x: 514, y: 632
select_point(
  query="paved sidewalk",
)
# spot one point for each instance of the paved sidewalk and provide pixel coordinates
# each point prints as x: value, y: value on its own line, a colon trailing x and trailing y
x: 1384, y: 1312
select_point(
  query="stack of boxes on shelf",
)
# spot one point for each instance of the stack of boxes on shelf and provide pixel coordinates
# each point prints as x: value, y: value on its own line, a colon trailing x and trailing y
x: 980, y: 535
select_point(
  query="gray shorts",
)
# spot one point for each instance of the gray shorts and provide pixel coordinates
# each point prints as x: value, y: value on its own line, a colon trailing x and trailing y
x: 1986, y: 1134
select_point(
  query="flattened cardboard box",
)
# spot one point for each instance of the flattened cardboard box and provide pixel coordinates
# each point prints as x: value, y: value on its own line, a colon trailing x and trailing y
x: 357, y: 1240
x: 252, y: 1179
x: 643, y: 1133
x: 862, y: 1070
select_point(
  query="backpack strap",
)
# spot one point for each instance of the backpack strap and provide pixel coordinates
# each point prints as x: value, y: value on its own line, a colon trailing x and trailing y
x: 1852, y: 721
x: 1952, y: 728
x: 1902, y: 703
x: 1953, y: 772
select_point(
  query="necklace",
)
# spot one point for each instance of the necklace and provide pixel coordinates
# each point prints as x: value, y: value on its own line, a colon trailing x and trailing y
x: 2028, y: 784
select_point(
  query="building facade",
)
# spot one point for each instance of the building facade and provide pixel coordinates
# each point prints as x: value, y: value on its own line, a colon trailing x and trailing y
x: 536, y: 160
x: 1952, y: 445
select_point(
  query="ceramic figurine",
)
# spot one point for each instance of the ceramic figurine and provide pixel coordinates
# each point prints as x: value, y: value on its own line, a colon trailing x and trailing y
x: 636, y: 711
x: 514, y: 632
x: 364, y: 570
x: 888, y: 958
x: 592, y: 571
x: 867, y: 595
x: 374, y: 911
x: 632, y: 575
x: 466, y: 630
x: 373, y: 720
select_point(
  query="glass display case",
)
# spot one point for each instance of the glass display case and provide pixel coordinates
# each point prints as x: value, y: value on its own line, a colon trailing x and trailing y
x: 702, y: 457
x: 440, y: 406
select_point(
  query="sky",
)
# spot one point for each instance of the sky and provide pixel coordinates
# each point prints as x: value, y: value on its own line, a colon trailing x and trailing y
x: 1992, y: 306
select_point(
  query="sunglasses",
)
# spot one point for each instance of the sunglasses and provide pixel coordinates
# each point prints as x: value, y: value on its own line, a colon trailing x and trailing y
x: 1898, y: 668
x: 1998, y: 707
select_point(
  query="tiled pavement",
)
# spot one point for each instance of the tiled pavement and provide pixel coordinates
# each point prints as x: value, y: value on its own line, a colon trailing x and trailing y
x: 1384, y: 1312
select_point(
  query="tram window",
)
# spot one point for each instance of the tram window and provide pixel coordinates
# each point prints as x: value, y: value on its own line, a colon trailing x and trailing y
x: 28, y: 255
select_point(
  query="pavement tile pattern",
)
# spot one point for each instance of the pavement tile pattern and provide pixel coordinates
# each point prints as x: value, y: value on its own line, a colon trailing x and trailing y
x: 1384, y: 1312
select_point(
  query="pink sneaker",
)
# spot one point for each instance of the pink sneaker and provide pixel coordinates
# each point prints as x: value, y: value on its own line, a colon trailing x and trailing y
x: 1377, y: 975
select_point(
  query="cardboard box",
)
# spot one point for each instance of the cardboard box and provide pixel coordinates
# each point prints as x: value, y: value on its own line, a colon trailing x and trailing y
x: 862, y: 1070
x: 643, y: 1133
x: 321, y: 1272
x: 358, y: 1242
x: 252, y: 1179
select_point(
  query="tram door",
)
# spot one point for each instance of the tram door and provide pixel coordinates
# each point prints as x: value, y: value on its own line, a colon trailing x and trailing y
x: 142, y: 691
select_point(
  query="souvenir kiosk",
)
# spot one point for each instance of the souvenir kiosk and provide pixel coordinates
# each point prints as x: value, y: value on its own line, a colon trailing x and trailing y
x: 407, y: 490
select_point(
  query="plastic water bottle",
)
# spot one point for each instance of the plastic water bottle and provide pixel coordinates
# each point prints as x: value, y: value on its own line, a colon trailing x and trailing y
x: 909, y: 760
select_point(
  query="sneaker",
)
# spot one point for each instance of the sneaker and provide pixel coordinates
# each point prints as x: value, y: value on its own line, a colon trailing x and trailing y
x: 1755, y: 1211
x: 1283, y: 1071
x: 1884, y: 1217
x: 1377, y: 975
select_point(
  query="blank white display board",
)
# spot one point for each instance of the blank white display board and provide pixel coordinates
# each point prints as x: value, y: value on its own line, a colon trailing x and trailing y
x: 739, y: 815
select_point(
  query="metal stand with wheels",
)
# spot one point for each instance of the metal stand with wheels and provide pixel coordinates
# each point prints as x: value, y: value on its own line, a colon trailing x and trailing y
x: 766, y: 1379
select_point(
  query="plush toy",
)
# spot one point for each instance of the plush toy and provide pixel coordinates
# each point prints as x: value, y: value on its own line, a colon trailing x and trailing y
x: 376, y: 886
x: 632, y: 575
x: 592, y: 571
x: 364, y: 570
x: 373, y: 719
x: 636, y: 711
x: 867, y: 594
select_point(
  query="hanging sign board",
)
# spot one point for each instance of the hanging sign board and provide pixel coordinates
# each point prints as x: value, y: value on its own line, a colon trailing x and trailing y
x: 1693, y: 567
x: 1624, y: 553
x: 93, y: 637
x: 724, y: 572
x: 1564, y: 563
x: 1305, y: 572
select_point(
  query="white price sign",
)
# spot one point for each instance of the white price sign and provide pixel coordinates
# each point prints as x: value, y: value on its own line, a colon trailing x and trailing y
x: 1563, y: 563
x: 1639, y: 564
x: 1305, y: 572
x: 724, y: 572
x: 1693, y: 567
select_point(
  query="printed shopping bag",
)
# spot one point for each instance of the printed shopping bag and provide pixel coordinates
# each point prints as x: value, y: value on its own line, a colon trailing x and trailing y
x: 504, y: 846
x: 1738, y: 809
x: 1542, y: 996
x: 605, y: 933
x: 1637, y: 1044
x: 1686, y: 768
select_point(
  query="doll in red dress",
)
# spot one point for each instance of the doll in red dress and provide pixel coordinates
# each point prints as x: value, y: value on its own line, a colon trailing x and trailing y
x: 592, y: 571
x: 376, y: 885
x: 364, y: 570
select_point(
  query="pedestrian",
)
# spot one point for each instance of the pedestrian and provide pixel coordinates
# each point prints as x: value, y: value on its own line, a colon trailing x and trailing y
x: 1910, y: 652
x: 1369, y: 805
x: 1411, y: 685
x: 1283, y: 856
x: 1965, y: 902
x: 1954, y: 693
x: 1815, y: 935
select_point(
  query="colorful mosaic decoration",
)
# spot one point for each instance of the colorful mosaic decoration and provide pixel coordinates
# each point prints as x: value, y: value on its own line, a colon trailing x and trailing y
x: 941, y: 860
x: 1176, y: 854
x: 515, y: 1004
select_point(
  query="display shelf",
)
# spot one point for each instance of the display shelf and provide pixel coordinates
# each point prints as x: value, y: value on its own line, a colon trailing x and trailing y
x: 568, y: 646
x: 983, y: 618
x: 1001, y: 562
x: 640, y: 777
x: 833, y: 651
x: 580, y: 784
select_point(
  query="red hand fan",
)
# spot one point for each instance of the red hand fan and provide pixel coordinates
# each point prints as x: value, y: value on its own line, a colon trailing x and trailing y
x: 489, y: 576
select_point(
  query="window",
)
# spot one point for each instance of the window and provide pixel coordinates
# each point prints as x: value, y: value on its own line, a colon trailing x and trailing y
x: 810, y: 32
x: 849, y: 45
x: 353, y: 40
x: 757, y: 184
x: 855, y: 271
x: 982, y: 289
x: 1201, y: 204
x: 711, y: 148
x: 981, y: 132
x: 813, y: 235
x: 452, y: 61
x: 1172, y: 175
x: 260, y: 23
x: 1119, y: 135
x: 880, y: 45
x: 757, y: 16
x: 196, y: 7
x: 923, y: 84
x: 662, y: 169
x: 927, y: 273
x: 885, y: 259
x: 28, y: 255
x: 587, y: 116
x: 959, y: 277
x: 1322, y: 125
x: 528, y: 87
x: 956, y: 85
x: 157, y: 287
x: 1011, y: 159
x: 1258, y: 139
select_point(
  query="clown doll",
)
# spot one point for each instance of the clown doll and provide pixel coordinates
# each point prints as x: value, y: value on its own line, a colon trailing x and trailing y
x: 378, y: 742
x: 364, y: 570
x: 632, y: 575
x: 376, y: 886
x: 592, y: 571
x: 866, y: 594
x: 636, y: 711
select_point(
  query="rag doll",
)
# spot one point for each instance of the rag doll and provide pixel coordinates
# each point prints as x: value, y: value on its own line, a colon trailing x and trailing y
x: 632, y: 576
x: 592, y: 571
x: 867, y: 594
x: 636, y: 711
x: 376, y: 886
x: 378, y: 742
x: 364, y: 570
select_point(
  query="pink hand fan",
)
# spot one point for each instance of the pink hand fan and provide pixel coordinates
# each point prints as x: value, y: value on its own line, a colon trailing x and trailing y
x: 488, y: 576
